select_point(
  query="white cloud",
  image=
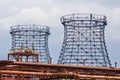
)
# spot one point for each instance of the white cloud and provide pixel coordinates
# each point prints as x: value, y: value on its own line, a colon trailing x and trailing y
x: 113, y: 28
x: 44, y: 12
x: 116, y: 16
x: 25, y: 16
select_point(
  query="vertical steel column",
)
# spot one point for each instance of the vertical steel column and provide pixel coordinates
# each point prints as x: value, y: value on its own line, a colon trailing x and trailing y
x: 34, y: 37
x: 84, y: 41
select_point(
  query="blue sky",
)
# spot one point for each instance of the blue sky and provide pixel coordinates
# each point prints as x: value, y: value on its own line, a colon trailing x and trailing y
x: 48, y: 12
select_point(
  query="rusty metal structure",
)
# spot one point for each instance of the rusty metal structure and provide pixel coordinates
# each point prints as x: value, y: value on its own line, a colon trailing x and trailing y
x: 26, y: 55
x: 13, y: 70
x: 84, y: 41
x: 33, y: 37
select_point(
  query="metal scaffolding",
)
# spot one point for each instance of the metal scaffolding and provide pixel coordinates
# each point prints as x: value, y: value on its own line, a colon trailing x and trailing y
x: 84, y: 40
x: 34, y: 37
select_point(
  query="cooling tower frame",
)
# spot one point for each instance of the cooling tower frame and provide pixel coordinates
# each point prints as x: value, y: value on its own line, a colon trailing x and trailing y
x: 34, y: 37
x: 84, y: 40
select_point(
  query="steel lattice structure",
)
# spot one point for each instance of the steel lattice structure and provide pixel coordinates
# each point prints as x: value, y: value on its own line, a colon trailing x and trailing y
x: 84, y: 40
x: 34, y: 37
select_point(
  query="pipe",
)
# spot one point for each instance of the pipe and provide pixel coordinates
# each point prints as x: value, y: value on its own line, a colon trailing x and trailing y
x: 115, y: 64
x: 69, y: 74
x: 99, y: 76
x: 50, y: 60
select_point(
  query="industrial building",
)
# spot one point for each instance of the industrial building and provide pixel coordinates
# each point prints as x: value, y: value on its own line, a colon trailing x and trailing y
x: 83, y: 55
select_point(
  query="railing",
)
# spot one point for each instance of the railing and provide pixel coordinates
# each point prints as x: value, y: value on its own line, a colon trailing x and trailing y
x: 22, y: 51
